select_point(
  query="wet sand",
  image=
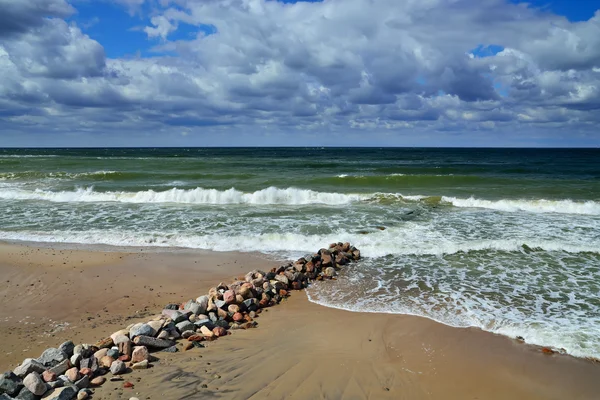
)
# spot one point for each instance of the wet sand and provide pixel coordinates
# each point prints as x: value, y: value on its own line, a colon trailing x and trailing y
x: 300, y: 350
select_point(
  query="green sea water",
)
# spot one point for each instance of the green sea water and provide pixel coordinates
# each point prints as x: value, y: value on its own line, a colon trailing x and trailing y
x: 507, y: 240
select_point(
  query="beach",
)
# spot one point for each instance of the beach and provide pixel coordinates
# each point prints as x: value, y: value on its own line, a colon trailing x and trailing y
x: 299, y: 349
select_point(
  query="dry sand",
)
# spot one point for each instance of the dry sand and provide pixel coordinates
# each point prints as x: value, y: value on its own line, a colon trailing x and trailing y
x: 300, y: 350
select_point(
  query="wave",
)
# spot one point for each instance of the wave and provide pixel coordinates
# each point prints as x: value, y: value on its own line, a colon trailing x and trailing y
x: 271, y: 195
x: 57, y: 174
x: 534, y: 206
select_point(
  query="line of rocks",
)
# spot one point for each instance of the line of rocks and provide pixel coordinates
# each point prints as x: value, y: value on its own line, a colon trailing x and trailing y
x: 70, y: 371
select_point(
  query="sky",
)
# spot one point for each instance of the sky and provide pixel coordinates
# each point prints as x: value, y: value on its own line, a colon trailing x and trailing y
x: 489, y: 73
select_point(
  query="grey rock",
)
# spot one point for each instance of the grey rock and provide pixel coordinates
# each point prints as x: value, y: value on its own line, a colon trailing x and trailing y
x: 63, y: 393
x: 203, y: 302
x: 193, y: 307
x: 75, y: 359
x: 91, y: 363
x: 118, y: 367
x: 28, y: 366
x: 114, y: 353
x: 68, y: 347
x: 184, y: 326
x: 251, y: 304
x: 213, y: 316
x: 172, y: 306
x: 56, y: 384
x: 222, y: 324
x: 172, y: 349
x: 163, y: 335
x: 205, y: 322
x: 141, y: 329
x: 10, y: 384
x: 4, y: 396
x: 152, y: 342
x: 25, y: 394
x: 220, y: 304
x: 52, y: 357
x: 62, y: 367
x: 35, y: 384
x: 174, y: 315
x: 83, y: 382
x: 187, y: 334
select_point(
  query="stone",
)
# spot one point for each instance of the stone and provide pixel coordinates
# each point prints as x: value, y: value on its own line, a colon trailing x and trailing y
x: 125, y: 358
x: 238, y: 317
x: 73, y: 374
x: 239, y: 298
x: 86, y: 371
x: 187, y: 334
x: 75, y: 360
x: 140, y: 353
x: 153, y: 342
x: 82, y: 395
x: 91, y: 363
x: 188, y: 346
x: 229, y: 297
x: 175, y: 315
x: 10, y: 384
x: 329, y: 272
x: 114, y: 353
x: 172, y: 349
x: 213, y: 316
x: 35, y: 384
x: 120, y: 339
x: 83, y: 383
x: 128, y: 385
x: 156, y: 325
x: 141, y: 329
x: 126, y: 348
x: 219, y: 331
x: 141, y: 365
x: 251, y: 304
x: 105, y: 343
x: 203, y: 303
x: 207, y: 332
x: 68, y: 347
x: 118, y: 334
x: 49, y: 376
x: 222, y: 323
x: 205, y: 322
x: 184, y: 326
x: 28, y: 366
x: 118, y: 367
x: 196, y: 338
x: 163, y: 335
x: 283, y: 279
x: 63, y: 393
x: 62, y: 367
x: 297, y: 285
x: 52, y: 357
x: 101, y: 353
x: 106, y: 361
x: 220, y: 303
x: 172, y: 306
x: 98, y: 381
x: 56, y: 384
x: 26, y: 394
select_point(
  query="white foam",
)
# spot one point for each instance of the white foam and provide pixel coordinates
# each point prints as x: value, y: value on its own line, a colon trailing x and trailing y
x: 534, y: 206
x: 271, y: 195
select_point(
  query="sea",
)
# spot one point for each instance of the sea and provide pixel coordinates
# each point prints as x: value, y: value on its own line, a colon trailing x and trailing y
x: 506, y: 240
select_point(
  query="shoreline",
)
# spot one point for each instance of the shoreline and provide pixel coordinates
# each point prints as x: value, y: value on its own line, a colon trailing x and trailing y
x: 409, y: 345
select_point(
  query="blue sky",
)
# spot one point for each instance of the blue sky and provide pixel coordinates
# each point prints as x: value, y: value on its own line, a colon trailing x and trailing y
x: 263, y: 72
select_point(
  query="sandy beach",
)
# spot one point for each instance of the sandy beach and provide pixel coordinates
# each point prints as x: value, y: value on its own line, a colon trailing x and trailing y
x: 300, y: 350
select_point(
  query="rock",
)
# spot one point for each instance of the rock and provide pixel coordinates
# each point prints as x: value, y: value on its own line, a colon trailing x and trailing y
x: 163, y: 335
x: 141, y: 329
x: 118, y: 367
x: 251, y: 304
x: 73, y: 374
x: 28, y: 366
x: 114, y: 353
x: 222, y: 323
x: 68, y: 347
x: 105, y: 343
x: 207, y: 332
x: 98, y: 381
x: 196, y: 338
x: 172, y: 349
x: 63, y: 393
x: 297, y: 285
x: 25, y: 394
x: 184, y: 326
x: 118, y: 335
x: 52, y: 357
x: 229, y: 297
x: 140, y: 353
x: 62, y: 367
x: 128, y: 385
x: 35, y: 384
x: 152, y: 342
x: 125, y: 358
x: 283, y: 279
x: 82, y: 395
x: 83, y: 383
x: 133, y: 398
x: 175, y: 315
x: 56, y: 384
x: 172, y: 306
x: 218, y: 331
x: 220, y: 304
x: 329, y: 272
x: 156, y: 325
x: 86, y: 371
x: 326, y: 260
x: 126, y: 347
x: 187, y: 334
x: 188, y: 346
x: 49, y: 376
x: 75, y: 360
x: 205, y: 322
x: 141, y: 365
x: 101, y: 353
x: 91, y: 363
x: 238, y: 317
x: 213, y: 316
x: 106, y: 361
x: 120, y: 339
x: 10, y: 384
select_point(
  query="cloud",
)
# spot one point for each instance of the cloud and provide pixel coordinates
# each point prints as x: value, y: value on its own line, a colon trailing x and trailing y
x: 356, y: 68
